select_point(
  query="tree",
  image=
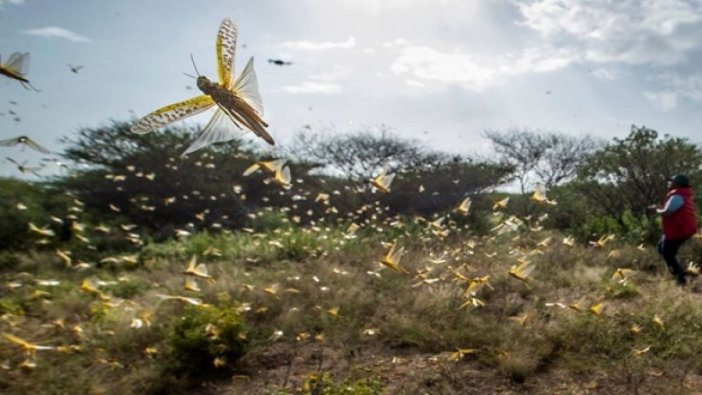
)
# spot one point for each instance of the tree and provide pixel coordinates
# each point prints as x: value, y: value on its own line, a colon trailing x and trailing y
x: 359, y: 156
x: 355, y: 157
x: 520, y: 148
x: 144, y: 178
x: 630, y: 173
x: 141, y: 179
x: 20, y: 203
x: 564, y: 154
x: 445, y: 185
x: 551, y: 157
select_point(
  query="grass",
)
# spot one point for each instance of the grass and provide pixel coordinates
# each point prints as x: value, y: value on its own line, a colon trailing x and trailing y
x: 301, y: 288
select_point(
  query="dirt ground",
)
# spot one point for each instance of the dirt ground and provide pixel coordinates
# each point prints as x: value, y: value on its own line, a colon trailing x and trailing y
x: 284, y: 368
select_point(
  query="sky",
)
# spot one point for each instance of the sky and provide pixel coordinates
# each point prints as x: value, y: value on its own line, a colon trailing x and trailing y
x: 438, y: 71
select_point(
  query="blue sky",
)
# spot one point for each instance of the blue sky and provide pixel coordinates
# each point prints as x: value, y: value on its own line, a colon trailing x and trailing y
x: 440, y: 71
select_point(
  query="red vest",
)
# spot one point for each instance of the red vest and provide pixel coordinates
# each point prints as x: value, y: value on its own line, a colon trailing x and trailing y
x: 683, y: 222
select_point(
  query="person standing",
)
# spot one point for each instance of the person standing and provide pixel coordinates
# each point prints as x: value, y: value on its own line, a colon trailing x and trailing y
x: 679, y: 222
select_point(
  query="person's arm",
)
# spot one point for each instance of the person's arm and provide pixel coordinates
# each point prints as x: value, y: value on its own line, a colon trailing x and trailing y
x: 672, y: 205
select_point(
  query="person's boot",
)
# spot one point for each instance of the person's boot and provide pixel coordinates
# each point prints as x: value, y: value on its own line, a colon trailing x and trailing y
x: 681, y: 280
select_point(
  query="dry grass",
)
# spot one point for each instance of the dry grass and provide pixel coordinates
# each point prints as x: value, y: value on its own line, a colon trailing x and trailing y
x: 318, y: 289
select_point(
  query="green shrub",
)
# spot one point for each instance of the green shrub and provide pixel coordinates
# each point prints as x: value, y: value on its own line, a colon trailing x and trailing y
x: 641, y: 229
x: 629, y: 228
x: 14, y: 231
x: 692, y: 251
x: 597, y: 226
x: 297, y: 246
x: 324, y: 384
x: 267, y: 221
x: 130, y: 288
x: 619, y: 290
x: 206, y: 341
x: 8, y: 261
x: 10, y: 306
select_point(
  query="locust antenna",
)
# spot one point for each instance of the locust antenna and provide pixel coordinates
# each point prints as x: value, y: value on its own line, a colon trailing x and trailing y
x: 193, y: 60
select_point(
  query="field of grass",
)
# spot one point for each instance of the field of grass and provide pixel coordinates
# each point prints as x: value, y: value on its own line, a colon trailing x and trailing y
x: 312, y: 310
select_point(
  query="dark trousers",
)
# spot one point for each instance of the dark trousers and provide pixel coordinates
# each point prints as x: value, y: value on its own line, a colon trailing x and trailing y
x: 669, y: 249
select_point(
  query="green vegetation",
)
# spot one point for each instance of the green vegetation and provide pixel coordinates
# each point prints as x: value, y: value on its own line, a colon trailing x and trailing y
x: 172, y: 283
x: 324, y: 384
x: 206, y: 339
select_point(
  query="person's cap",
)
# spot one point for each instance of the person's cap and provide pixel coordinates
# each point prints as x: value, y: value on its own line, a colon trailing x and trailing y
x: 680, y: 179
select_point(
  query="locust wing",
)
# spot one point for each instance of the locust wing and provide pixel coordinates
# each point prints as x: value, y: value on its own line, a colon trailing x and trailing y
x: 172, y: 113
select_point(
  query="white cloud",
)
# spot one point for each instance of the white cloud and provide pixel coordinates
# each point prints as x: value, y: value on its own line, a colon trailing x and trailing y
x: 689, y: 86
x: 604, y: 73
x: 426, y: 63
x: 13, y: 2
x: 665, y: 100
x: 476, y: 73
x: 653, y: 35
x: 326, y: 82
x: 414, y: 84
x: 608, y: 19
x: 398, y: 42
x: 338, y: 72
x: 378, y: 6
x: 313, y: 87
x: 628, y: 31
x: 57, y: 32
x: 318, y: 46
x: 540, y: 60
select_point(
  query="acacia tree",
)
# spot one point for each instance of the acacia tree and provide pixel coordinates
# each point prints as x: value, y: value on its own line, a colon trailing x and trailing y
x: 143, y: 178
x: 445, y: 184
x: 630, y: 173
x: 563, y: 156
x: 551, y: 157
x: 427, y: 182
x: 520, y: 148
x: 358, y: 156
